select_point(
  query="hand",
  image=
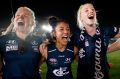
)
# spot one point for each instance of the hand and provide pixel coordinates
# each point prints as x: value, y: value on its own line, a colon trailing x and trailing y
x: 42, y: 47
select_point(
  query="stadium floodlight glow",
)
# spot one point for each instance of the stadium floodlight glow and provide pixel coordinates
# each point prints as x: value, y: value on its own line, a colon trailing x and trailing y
x: 47, y: 28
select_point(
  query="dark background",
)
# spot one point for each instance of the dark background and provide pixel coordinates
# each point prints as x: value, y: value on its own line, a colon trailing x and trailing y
x: 108, y: 10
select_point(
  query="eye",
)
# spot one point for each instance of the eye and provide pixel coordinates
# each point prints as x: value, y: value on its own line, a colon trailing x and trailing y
x: 17, y: 15
x: 25, y: 15
x: 61, y: 29
x: 68, y: 29
x: 86, y: 10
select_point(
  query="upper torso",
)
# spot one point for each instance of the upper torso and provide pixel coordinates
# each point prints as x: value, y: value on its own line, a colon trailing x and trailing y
x: 21, y: 58
x: 92, y: 56
x: 59, y: 63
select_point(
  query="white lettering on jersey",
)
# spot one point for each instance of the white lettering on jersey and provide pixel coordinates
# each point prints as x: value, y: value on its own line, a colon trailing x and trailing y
x: 98, y: 73
x: 81, y: 53
x: 86, y: 43
x: 81, y: 37
x: 115, y: 29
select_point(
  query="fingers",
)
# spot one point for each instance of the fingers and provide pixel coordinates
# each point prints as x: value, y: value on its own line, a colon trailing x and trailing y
x: 42, y: 47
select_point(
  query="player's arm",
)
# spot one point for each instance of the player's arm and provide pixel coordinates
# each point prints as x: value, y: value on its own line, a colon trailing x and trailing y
x: 114, y: 46
x: 76, y: 53
x: 44, y: 52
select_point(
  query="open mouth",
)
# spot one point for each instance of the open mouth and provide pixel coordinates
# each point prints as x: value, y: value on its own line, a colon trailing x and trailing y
x: 91, y: 17
x: 65, y: 38
x: 20, y: 23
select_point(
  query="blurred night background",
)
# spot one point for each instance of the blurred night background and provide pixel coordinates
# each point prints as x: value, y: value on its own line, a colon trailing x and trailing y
x: 108, y: 10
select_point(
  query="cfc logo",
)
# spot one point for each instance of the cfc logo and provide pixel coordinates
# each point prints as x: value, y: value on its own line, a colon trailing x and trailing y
x: 61, y: 71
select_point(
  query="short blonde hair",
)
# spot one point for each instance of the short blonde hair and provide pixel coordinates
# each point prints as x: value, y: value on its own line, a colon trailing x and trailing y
x: 79, y: 22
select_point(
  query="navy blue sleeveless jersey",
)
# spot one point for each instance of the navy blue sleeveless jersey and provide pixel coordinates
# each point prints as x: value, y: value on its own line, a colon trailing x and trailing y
x: 92, y: 55
x: 59, y: 63
x: 21, y: 58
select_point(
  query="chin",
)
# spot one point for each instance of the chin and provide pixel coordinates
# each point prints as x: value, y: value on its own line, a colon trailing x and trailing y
x: 91, y: 23
x: 65, y: 43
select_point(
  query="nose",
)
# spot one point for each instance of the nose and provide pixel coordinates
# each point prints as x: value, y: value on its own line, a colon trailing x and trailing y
x: 66, y: 31
x: 21, y: 16
x: 91, y: 11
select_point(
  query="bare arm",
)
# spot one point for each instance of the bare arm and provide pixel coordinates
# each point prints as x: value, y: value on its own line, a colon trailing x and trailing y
x: 43, y: 50
x: 114, y: 46
x: 76, y: 53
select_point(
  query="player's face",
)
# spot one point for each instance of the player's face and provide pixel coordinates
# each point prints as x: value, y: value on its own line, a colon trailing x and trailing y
x: 22, y: 20
x: 62, y: 33
x: 88, y: 14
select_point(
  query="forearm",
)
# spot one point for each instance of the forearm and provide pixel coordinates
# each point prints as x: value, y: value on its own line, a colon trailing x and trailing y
x: 41, y: 61
x: 114, y: 47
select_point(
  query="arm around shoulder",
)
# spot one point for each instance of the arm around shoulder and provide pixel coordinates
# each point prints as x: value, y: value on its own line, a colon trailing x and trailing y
x: 76, y: 53
x: 44, y: 51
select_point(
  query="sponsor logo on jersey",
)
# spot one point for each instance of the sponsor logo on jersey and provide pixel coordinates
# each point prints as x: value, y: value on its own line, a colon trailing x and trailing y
x: 11, y: 42
x: 11, y: 45
x: 35, y: 46
x: 67, y: 60
x: 34, y: 43
x: 61, y: 71
x: 61, y: 56
x: 53, y: 61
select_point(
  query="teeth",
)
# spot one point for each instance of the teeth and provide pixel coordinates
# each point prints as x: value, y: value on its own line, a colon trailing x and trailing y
x: 66, y: 38
x: 91, y: 15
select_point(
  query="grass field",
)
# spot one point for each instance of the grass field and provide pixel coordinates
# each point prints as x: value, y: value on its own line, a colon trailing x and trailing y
x: 113, y: 58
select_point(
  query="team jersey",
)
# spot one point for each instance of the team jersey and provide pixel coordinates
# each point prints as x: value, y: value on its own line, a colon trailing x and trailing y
x: 59, y: 63
x: 92, y: 55
x: 21, y: 58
